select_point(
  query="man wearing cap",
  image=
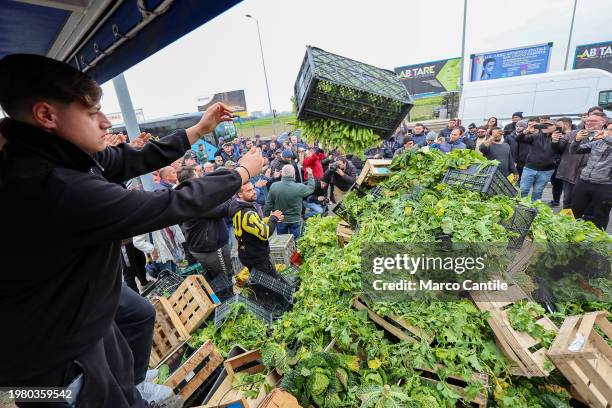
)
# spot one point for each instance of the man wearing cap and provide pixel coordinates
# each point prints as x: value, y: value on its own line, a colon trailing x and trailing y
x: 509, y: 128
x: 286, y: 196
x: 229, y: 153
x: 540, y: 164
x: 470, y: 136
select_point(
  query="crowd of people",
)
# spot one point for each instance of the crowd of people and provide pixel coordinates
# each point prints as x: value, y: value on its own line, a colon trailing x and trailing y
x: 300, y: 180
x: 75, y: 187
x: 575, y: 158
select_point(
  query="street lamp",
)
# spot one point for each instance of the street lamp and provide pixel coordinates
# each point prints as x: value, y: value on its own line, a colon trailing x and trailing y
x: 263, y: 62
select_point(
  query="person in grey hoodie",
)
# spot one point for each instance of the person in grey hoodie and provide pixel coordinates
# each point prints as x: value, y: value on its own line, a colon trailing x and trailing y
x: 594, y: 186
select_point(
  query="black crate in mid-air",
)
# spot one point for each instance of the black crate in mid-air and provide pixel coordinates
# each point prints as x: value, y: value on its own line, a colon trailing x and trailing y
x: 330, y: 86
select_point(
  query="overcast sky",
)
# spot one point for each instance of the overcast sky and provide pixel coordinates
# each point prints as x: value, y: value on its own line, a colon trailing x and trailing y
x: 223, y: 55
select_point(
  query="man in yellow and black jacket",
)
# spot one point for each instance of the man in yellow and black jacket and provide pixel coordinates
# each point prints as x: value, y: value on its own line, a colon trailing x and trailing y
x: 252, y: 230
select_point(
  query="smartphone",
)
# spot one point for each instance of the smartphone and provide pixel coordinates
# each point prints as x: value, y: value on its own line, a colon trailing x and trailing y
x: 559, y: 129
x: 591, y: 134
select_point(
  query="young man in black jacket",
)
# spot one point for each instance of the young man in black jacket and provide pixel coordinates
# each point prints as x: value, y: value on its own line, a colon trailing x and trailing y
x: 58, y: 180
x: 540, y: 164
x: 207, y: 237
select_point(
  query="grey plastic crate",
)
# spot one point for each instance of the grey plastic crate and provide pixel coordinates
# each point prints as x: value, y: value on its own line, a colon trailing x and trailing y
x: 281, y: 248
x: 330, y: 86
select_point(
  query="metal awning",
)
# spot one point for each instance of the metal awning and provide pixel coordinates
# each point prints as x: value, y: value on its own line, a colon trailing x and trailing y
x: 101, y: 37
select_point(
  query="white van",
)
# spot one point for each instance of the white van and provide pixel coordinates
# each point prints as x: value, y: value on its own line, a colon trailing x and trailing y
x: 563, y: 93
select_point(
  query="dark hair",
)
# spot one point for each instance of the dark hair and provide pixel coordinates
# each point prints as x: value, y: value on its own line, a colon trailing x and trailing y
x: 459, y: 128
x: 487, y: 61
x: 27, y: 78
x: 600, y: 114
x: 185, y: 173
x: 545, y: 117
x: 565, y: 120
x: 595, y: 108
x: 483, y: 127
x: 534, y: 119
x: 492, y: 117
x: 419, y: 124
x: 407, y: 139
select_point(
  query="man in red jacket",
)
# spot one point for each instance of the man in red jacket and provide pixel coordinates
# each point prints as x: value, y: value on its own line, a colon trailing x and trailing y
x: 313, y: 161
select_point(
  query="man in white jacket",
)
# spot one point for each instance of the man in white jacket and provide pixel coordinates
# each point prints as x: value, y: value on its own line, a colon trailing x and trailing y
x: 163, y: 247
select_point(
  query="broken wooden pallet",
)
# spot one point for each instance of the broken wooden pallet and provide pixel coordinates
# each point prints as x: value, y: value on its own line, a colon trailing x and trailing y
x: 193, y: 372
x: 526, y: 354
x: 394, y: 325
x: 584, y: 357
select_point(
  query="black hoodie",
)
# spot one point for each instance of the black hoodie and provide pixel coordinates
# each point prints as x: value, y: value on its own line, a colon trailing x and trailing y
x: 64, y: 215
x: 252, y: 232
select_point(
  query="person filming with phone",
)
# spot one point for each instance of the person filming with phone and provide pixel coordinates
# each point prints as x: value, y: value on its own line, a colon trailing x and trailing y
x: 540, y: 164
x: 594, y: 185
x: 570, y: 165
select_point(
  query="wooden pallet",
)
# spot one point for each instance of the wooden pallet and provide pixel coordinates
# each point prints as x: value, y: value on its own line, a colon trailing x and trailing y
x: 226, y: 396
x: 394, y: 325
x: 169, y: 333
x: 589, y: 369
x: 279, y: 399
x: 457, y: 384
x: 373, y: 171
x: 193, y: 301
x: 192, y: 374
x: 344, y: 232
x: 518, y: 346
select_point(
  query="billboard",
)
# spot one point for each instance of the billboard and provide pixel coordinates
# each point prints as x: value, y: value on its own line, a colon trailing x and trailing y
x: 431, y: 77
x: 235, y: 99
x: 116, y: 118
x: 598, y: 55
x: 510, y: 63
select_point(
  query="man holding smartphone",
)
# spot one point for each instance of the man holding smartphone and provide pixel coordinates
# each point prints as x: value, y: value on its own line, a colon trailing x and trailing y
x: 594, y: 186
x: 540, y: 164
x: 571, y: 165
x: 59, y: 181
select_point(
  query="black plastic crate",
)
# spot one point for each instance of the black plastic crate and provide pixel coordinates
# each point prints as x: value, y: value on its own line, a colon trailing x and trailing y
x: 271, y: 292
x: 330, y: 86
x: 341, y: 211
x: 222, y: 286
x: 291, y: 275
x: 357, y: 190
x: 487, y: 180
x: 222, y: 312
x: 520, y: 223
x: 166, y: 284
x: 376, y: 192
